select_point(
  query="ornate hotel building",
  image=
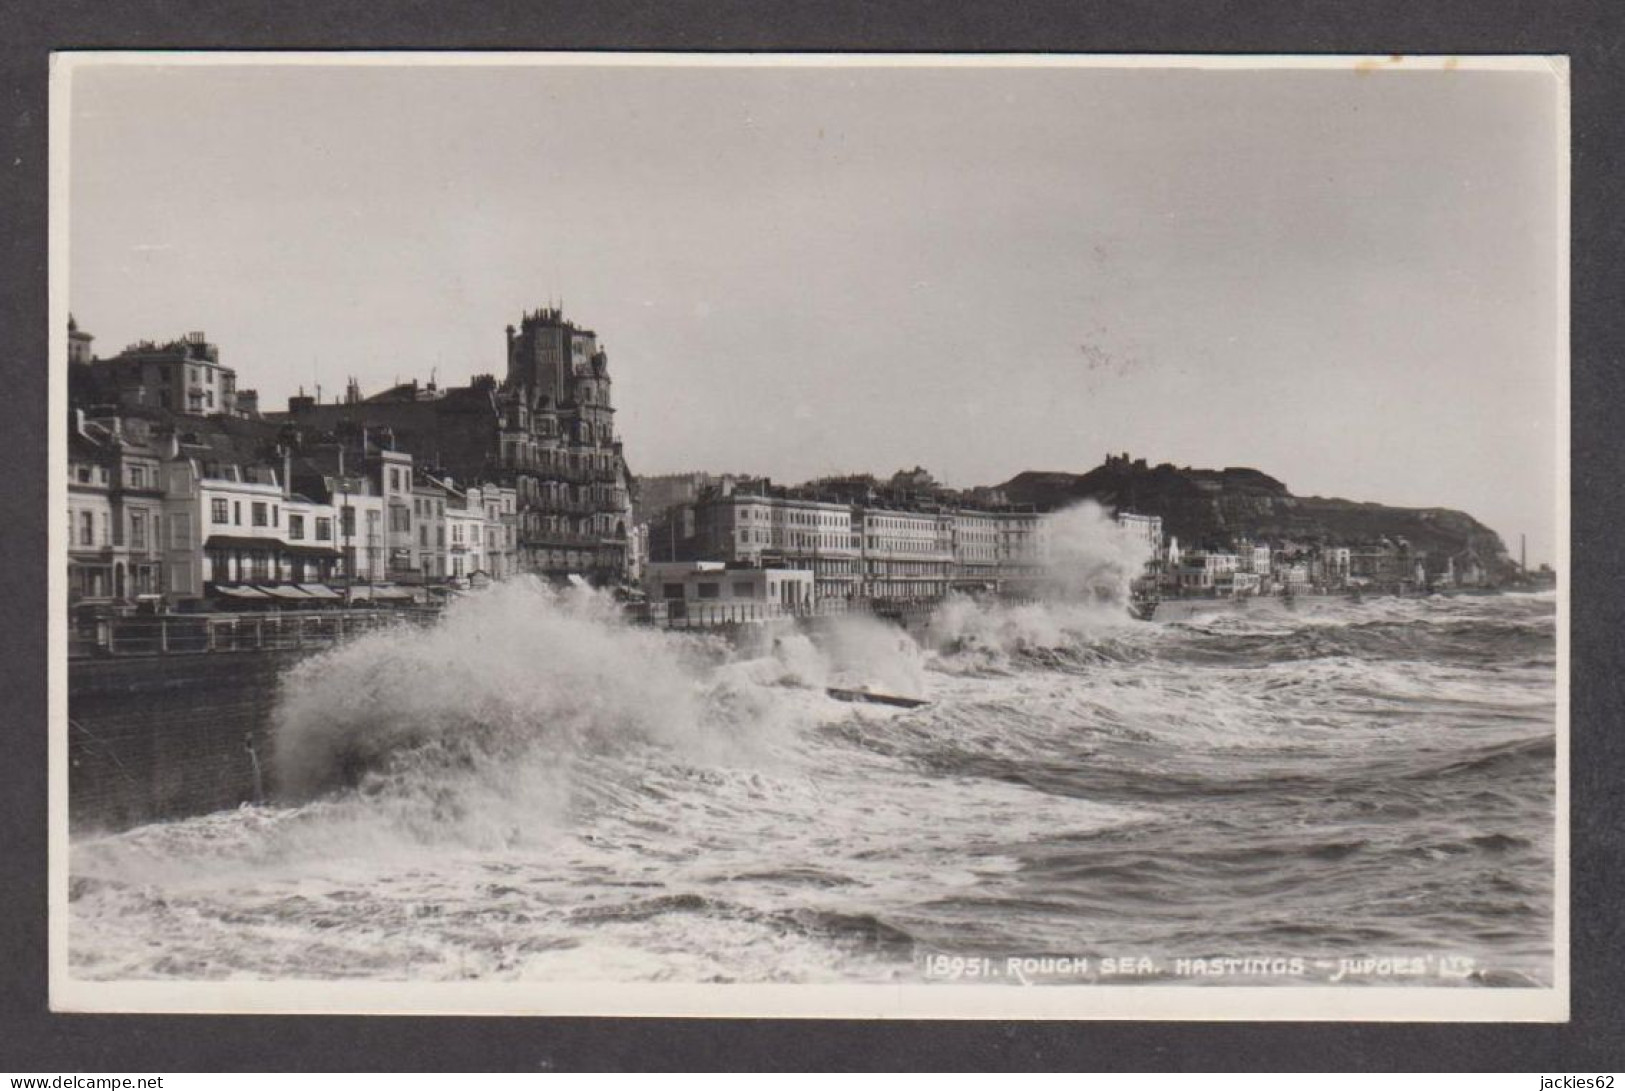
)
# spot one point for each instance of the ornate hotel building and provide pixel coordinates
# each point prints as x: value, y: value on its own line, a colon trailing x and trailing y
x: 547, y: 431
x: 558, y: 448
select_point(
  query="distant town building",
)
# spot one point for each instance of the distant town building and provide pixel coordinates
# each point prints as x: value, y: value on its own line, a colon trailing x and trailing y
x: 711, y: 588
x: 1023, y: 551
x: 1253, y: 557
x: 906, y: 555
x: 1213, y: 572
x: 183, y: 506
x: 860, y: 540
x: 749, y: 525
x: 429, y: 517
x: 558, y: 441
x: 1336, y: 565
x: 91, y: 473
x: 78, y: 344
x: 659, y: 493
x: 180, y: 490
x: 1294, y: 575
x: 1145, y: 529
x: 918, y: 481
x: 181, y: 376
x: 115, y: 510
x: 976, y: 550
x: 546, y: 432
x: 238, y: 528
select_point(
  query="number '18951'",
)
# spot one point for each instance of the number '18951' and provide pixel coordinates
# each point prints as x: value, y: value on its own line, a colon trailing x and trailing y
x: 959, y: 966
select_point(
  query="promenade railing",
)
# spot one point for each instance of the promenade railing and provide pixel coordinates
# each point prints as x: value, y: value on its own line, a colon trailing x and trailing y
x: 290, y: 630
x: 679, y: 614
x: 190, y: 634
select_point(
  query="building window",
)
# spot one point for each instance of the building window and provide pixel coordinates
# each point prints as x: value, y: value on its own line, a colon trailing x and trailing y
x: 259, y: 514
x: 138, y: 530
x: 296, y: 527
x: 347, y: 521
x: 180, y: 531
x: 83, y: 473
x: 217, y: 511
x: 710, y: 590
x: 138, y: 477
x: 276, y: 515
x: 324, y: 529
x: 87, y: 529
x: 237, y: 513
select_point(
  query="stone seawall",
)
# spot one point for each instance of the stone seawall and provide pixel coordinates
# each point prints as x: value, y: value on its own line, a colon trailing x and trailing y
x: 157, y: 737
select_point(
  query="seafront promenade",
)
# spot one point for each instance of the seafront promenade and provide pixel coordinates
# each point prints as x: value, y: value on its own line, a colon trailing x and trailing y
x: 191, y: 634
x: 299, y: 630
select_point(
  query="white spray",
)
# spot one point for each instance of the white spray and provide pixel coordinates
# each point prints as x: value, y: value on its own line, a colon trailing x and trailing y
x: 1087, y: 563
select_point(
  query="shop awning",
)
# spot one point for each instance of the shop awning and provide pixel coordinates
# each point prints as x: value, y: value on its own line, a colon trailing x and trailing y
x: 242, y: 541
x: 241, y: 593
x: 393, y: 593
x: 239, y: 541
x: 319, y: 591
x: 286, y: 591
x: 308, y: 550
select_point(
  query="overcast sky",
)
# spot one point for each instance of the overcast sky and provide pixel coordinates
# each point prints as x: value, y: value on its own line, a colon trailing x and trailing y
x: 1347, y: 280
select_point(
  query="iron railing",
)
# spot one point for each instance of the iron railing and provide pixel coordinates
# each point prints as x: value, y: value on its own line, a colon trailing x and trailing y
x: 191, y: 634
x: 291, y: 630
x: 680, y: 614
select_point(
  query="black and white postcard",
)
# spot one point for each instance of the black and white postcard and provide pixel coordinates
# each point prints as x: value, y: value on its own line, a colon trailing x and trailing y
x: 856, y: 536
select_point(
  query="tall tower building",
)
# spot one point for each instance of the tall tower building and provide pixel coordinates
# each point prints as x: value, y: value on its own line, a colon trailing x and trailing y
x: 558, y: 440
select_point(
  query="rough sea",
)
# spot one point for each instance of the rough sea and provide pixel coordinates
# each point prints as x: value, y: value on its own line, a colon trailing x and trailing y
x: 1327, y: 792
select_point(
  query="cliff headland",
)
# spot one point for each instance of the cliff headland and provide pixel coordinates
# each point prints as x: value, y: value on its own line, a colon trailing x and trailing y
x: 1205, y: 507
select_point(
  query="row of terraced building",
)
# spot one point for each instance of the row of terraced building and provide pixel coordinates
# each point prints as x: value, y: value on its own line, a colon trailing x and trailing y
x: 182, y: 493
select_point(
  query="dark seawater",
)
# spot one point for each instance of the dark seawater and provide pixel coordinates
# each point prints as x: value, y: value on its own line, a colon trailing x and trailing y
x: 534, y: 792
